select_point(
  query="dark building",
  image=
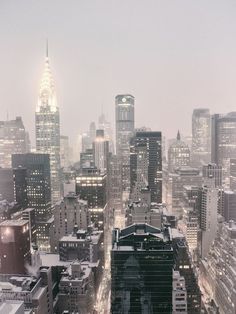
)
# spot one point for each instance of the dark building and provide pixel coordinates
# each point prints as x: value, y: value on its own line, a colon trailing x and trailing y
x: 146, y: 163
x: 124, y: 131
x: 38, y: 182
x: 6, y: 184
x: 20, y: 186
x: 14, y: 246
x: 91, y: 185
x: 141, y: 270
x: 29, y: 215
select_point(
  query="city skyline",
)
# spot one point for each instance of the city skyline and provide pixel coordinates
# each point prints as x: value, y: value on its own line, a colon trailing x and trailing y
x: 195, y: 71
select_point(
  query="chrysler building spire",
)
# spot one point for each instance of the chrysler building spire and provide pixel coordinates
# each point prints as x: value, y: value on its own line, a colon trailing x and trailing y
x: 47, y: 94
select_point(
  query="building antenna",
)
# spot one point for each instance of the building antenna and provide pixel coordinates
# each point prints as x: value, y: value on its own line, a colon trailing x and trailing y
x: 47, y: 48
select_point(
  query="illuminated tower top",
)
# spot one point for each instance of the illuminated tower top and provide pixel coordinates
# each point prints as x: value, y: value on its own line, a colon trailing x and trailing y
x: 47, y: 94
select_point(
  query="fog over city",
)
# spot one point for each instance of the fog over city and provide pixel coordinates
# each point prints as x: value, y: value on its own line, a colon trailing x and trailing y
x: 173, y: 56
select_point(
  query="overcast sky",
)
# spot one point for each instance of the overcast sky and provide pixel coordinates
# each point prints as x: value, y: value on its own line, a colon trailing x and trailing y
x: 173, y: 56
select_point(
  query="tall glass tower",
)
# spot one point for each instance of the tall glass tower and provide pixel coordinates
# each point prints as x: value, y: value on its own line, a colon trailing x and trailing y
x: 124, y: 132
x: 47, y: 122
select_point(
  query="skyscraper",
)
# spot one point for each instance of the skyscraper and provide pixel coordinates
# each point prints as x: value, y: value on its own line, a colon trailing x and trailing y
x: 38, y: 182
x: 47, y: 122
x: 201, y: 132
x: 146, y: 163
x: 141, y: 270
x: 124, y: 132
x: 13, y: 140
x: 101, y: 151
x: 224, y: 142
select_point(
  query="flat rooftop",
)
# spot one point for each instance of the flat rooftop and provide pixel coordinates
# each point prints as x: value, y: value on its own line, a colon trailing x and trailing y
x: 13, y: 223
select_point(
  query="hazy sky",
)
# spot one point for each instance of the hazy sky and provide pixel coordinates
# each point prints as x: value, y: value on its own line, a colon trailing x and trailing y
x: 173, y: 56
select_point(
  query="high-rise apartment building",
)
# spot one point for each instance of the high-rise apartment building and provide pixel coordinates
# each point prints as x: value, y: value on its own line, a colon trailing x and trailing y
x: 6, y: 184
x: 124, y: 132
x: 178, y: 154
x: 201, y: 137
x: 47, y: 122
x: 13, y: 140
x: 146, y: 163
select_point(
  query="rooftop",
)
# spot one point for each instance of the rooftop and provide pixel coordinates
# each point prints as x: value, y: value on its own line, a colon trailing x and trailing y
x: 13, y: 223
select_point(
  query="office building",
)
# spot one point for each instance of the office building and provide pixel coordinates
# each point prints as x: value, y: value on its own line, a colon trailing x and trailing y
x: 47, y: 124
x: 14, y: 246
x: 13, y: 140
x: 201, y: 137
x: 146, y: 163
x: 141, y: 270
x: 38, y: 182
x: 124, y: 131
x: 208, y: 218
x: 224, y: 142
x: 178, y: 154
x: 91, y: 186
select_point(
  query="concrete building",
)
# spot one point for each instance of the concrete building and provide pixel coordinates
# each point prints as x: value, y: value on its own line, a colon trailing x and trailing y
x: 76, y: 289
x: 71, y: 212
x: 124, y: 131
x: 35, y: 292
x: 208, y: 218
